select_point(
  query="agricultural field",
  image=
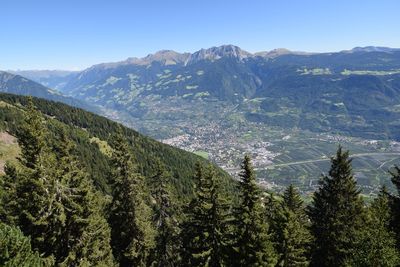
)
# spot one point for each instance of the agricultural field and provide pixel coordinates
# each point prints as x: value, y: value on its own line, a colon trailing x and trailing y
x: 281, y: 155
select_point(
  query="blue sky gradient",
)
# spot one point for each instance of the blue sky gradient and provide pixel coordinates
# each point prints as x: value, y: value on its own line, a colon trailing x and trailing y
x: 72, y: 34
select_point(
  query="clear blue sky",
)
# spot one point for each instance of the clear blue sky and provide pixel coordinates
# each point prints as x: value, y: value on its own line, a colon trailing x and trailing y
x: 74, y: 34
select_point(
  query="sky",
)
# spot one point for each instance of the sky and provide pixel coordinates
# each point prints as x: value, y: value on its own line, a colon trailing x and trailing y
x: 75, y: 34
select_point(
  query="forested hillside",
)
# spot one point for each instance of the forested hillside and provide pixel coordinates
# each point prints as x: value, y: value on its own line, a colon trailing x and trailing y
x: 91, y: 134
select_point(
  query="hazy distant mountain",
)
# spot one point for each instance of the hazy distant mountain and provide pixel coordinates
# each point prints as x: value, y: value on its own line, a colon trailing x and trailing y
x: 373, y: 49
x: 16, y: 84
x: 280, y: 52
x: 54, y: 79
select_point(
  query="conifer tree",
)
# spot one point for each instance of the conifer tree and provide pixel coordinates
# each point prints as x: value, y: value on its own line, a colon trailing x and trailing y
x: 273, y: 208
x: 166, y: 249
x: 204, y: 232
x: 8, y: 201
x: 293, y: 237
x: 15, y: 249
x: 292, y: 200
x: 377, y: 243
x: 31, y: 137
x: 54, y: 200
x: 336, y: 214
x: 85, y: 233
x: 37, y: 211
x: 253, y: 242
x: 394, y: 203
x: 132, y: 233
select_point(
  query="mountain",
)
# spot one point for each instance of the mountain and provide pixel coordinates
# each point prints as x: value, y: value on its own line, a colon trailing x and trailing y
x: 16, y: 84
x: 54, y: 79
x: 215, y: 53
x: 280, y: 52
x: 230, y: 74
x: 223, y: 102
x: 373, y: 49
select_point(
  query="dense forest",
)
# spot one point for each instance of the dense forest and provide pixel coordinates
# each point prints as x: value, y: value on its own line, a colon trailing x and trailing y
x: 130, y: 206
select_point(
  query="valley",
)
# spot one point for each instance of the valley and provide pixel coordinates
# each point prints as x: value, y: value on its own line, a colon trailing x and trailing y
x: 288, y: 110
x: 281, y: 156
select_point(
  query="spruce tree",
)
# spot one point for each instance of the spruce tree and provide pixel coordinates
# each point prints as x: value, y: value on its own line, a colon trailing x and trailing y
x: 8, y: 202
x: 85, y: 234
x: 273, y: 208
x: 166, y: 249
x: 31, y: 136
x: 132, y: 232
x: 394, y: 203
x: 377, y: 243
x: 253, y: 243
x: 336, y: 214
x: 54, y: 199
x: 293, y: 236
x: 204, y: 237
x: 15, y: 249
x: 38, y: 212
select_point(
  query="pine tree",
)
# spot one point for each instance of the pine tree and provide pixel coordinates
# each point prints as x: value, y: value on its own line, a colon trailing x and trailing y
x: 166, y: 250
x: 394, y: 203
x: 293, y: 235
x: 15, y: 249
x: 204, y: 237
x: 336, y: 214
x: 132, y: 233
x: 85, y: 234
x: 273, y: 207
x: 377, y: 243
x: 253, y: 242
x: 8, y: 202
x: 31, y: 137
x: 54, y: 199
x: 37, y: 211
x: 292, y: 200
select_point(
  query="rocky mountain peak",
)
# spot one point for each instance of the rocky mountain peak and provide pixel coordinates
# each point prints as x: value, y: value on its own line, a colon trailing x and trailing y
x: 215, y: 53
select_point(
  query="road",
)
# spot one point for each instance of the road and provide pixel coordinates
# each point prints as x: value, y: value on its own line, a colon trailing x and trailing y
x: 359, y: 155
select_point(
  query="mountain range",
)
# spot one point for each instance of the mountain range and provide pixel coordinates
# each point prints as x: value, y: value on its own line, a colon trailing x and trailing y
x: 307, y: 90
x: 221, y: 100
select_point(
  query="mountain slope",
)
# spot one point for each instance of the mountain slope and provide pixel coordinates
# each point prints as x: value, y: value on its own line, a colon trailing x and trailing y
x: 91, y: 133
x: 55, y: 79
x: 16, y: 84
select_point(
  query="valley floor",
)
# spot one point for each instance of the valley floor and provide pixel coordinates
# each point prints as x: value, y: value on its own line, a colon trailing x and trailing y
x: 281, y: 156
